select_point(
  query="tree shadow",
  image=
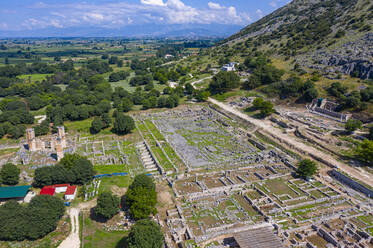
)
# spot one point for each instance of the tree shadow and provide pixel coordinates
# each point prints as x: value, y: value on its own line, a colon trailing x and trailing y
x: 123, y: 243
x: 250, y: 109
x: 96, y: 217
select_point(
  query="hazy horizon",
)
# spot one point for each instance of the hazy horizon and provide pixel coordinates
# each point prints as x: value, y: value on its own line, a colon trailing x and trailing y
x: 130, y: 18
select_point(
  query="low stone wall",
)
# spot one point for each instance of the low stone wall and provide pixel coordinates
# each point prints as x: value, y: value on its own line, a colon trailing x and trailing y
x: 352, y: 183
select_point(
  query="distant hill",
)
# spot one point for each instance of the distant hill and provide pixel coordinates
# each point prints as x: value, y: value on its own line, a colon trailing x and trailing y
x: 332, y: 35
x: 149, y: 30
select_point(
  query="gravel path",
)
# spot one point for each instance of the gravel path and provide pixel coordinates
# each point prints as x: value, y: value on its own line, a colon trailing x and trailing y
x: 354, y: 172
x: 73, y: 240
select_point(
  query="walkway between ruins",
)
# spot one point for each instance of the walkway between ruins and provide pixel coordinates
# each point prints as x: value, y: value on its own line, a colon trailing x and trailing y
x: 73, y: 240
x: 361, y: 175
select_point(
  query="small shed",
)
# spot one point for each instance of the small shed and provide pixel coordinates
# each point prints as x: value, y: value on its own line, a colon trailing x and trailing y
x: 14, y: 193
x: 70, y: 193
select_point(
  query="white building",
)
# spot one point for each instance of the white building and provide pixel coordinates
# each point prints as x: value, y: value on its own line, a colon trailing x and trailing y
x: 70, y: 193
x: 229, y: 67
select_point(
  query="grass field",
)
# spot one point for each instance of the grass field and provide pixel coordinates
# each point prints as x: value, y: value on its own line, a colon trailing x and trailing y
x: 34, y: 77
x: 95, y: 235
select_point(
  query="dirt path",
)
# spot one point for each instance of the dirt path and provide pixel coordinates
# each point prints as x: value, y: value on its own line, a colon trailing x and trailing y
x: 200, y: 80
x: 356, y: 173
x: 73, y: 240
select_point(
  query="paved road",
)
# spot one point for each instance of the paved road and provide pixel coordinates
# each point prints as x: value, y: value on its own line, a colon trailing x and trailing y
x: 354, y: 172
x: 73, y: 240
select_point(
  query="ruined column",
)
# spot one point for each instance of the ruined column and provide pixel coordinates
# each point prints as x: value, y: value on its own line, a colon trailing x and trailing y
x: 31, y: 141
x: 59, y: 149
x: 61, y: 135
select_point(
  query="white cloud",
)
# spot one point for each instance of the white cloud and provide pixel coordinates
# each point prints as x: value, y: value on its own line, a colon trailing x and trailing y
x: 4, y: 26
x: 153, y: 2
x: 215, y: 5
x: 122, y: 13
x: 259, y: 12
x: 273, y: 4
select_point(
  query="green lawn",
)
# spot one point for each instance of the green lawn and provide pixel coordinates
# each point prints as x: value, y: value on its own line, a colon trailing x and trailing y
x: 34, y: 77
x: 95, y: 235
x: 79, y: 126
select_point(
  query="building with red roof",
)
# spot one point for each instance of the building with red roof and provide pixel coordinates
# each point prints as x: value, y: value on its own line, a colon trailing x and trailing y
x: 70, y: 193
x: 61, y: 188
x: 48, y: 190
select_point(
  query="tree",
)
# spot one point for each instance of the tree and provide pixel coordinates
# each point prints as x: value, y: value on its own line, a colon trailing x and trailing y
x: 83, y: 171
x: 202, y: 95
x: 106, y: 120
x: 13, y: 224
x: 265, y: 107
x: 96, y: 125
x: 370, y: 135
x: 306, y: 168
x: 352, y: 125
x: 310, y: 94
x: 145, y: 234
x: 223, y: 82
x: 141, y: 197
x: 33, y: 221
x: 69, y: 159
x: 107, y: 205
x: 365, y: 152
x: 123, y: 124
x: 189, y: 88
x: 10, y: 174
x: 144, y: 181
x: 71, y: 169
x: 126, y: 105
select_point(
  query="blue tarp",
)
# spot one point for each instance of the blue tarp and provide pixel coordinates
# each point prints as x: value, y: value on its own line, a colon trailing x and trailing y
x: 112, y: 174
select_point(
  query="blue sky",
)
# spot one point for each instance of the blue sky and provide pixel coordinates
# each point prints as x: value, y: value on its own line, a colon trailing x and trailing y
x: 18, y: 15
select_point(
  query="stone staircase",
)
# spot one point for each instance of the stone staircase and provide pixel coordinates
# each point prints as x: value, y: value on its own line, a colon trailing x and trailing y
x: 146, y: 158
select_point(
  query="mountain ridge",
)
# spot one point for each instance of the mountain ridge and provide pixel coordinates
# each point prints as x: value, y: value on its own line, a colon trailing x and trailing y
x: 317, y: 34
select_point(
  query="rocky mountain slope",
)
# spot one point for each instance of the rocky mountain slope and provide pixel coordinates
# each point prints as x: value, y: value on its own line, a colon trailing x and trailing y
x: 332, y: 35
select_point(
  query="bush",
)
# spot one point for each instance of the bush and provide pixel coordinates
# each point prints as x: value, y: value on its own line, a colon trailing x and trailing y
x: 107, y: 205
x: 352, y: 125
x: 9, y: 174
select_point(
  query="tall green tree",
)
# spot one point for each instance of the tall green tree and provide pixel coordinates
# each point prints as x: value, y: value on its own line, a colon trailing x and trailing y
x: 365, y: 152
x: 107, y: 205
x: 141, y: 197
x: 145, y: 234
x: 144, y: 181
x: 123, y: 124
x: 306, y: 168
x: 96, y: 125
x: 10, y: 174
